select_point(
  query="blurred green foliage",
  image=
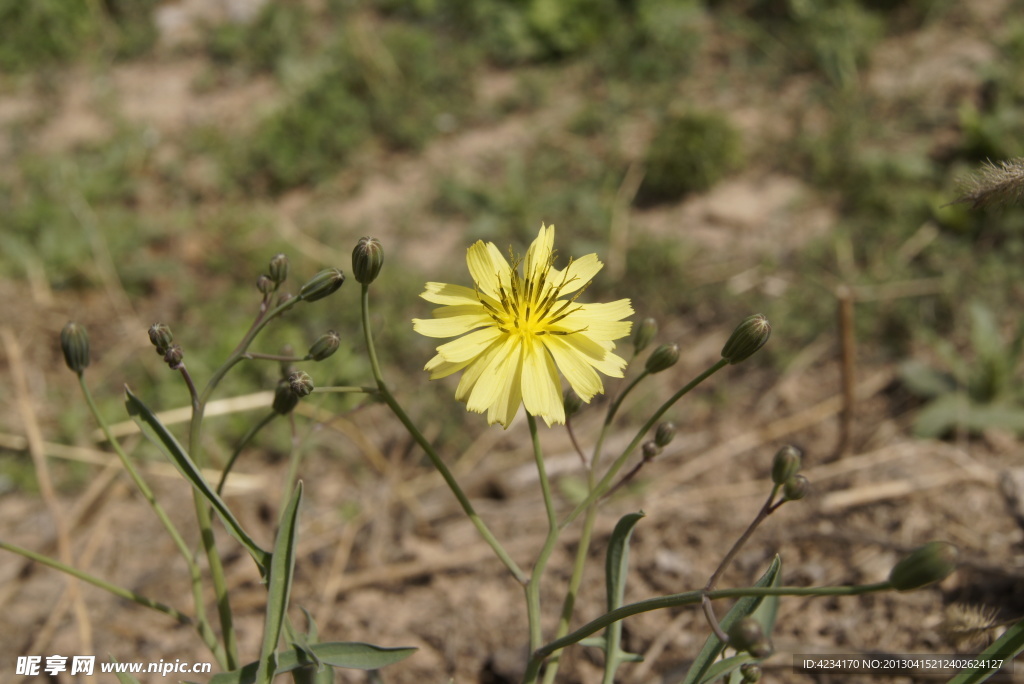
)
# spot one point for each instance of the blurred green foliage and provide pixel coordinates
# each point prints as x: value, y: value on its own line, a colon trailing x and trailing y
x: 689, y: 153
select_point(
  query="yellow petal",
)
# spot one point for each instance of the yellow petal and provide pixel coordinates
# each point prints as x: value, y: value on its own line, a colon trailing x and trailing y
x: 577, y: 371
x: 538, y: 256
x: 505, y: 408
x: 491, y: 382
x: 488, y: 268
x: 577, y: 274
x: 542, y: 394
x: 449, y: 327
x: 469, y: 346
x: 439, y: 368
x: 443, y: 293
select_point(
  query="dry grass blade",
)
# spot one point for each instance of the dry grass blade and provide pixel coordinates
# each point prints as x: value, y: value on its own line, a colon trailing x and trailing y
x: 35, y: 446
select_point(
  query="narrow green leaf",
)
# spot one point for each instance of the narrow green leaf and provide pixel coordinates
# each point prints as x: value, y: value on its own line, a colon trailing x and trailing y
x: 157, y: 433
x: 713, y: 647
x: 725, y: 667
x: 616, y: 569
x: 279, y: 587
x: 1004, y: 649
x: 344, y: 654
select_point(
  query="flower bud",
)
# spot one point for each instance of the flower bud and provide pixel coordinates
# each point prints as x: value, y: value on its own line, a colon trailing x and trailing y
x: 324, y: 283
x: 650, y: 450
x: 572, y: 403
x: 665, y: 433
x: 278, y: 270
x: 285, y: 400
x: 746, y: 634
x: 367, y: 259
x: 749, y: 336
x: 643, y: 333
x: 324, y: 346
x: 662, y: 358
x: 161, y: 337
x: 301, y: 383
x: 74, y: 342
x: 932, y: 562
x: 750, y: 672
x: 265, y: 285
x: 786, y: 464
x: 796, y: 488
x: 173, y: 356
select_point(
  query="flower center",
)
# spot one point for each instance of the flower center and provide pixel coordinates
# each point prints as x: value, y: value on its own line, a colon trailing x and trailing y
x: 530, y: 304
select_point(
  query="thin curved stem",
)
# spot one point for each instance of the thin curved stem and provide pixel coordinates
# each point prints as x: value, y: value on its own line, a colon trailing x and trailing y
x: 606, y: 481
x: 533, y: 586
x: 195, y: 574
x: 435, y: 459
x: 241, y: 445
x: 686, y: 599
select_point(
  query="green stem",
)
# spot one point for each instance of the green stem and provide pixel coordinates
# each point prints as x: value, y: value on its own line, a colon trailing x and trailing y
x: 435, y: 459
x: 145, y: 601
x: 606, y: 481
x: 241, y: 445
x: 195, y: 574
x: 533, y: 586
x: 687, y: 599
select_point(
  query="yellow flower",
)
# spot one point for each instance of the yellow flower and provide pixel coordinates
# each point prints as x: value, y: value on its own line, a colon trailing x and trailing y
x: 515, y: 332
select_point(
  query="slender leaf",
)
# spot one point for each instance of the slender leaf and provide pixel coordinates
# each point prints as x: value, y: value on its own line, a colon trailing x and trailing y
x: 279, y: 587
x: 725, y: 667
x: 344, y: 654
x: 1004, y: 649
x: 157, y: 433
x: 616, y: 567
x: 714, y: 646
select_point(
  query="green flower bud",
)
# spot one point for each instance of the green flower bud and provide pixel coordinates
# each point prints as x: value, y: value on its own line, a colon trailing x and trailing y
x: 173, y: 356
x: 786, y: 464
x: 665, y: 433
x: 643, y: 333
x: 930, y: 563
x: 324, y: 346
x: 662, y: 358
x: 572, y: 403
x: 749, y: 336
x: 74, y: 342
x: 367, y: 259
x: 650, y: 450
x: 324, y: 283
x: 278, y: 270
x: 285, y: 400
x: 747, y: 635
x: 301, y: 383
x: 796, y: 488
x: 161, y: 337
x: 750, y: 672
x: 265, y: 285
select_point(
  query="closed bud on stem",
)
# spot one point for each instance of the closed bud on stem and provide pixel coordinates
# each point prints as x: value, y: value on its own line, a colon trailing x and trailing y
x: 749, y: 336
x: 173, y: 356
x: 324, y: 346
x: 161, y: 337
x: 665, y: 433
x: 284, y: 398
x: 662, y: 358
x: 786, y: 464
x: 650, y: 450
x: 367, y: 259
x: 278, y: 269
x: 572, y: 403
x: 796, y: 488
x: 933, y: 562
x: 265, y: 285
x: 74, y: 342
x: 643, y: 334
x: 747, y: 635
x: 301, y: 383
x: 323, y: 284
x: 751, y: 672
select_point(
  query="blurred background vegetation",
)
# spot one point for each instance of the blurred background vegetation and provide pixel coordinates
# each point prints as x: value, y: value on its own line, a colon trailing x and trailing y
x: 722, y: 156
